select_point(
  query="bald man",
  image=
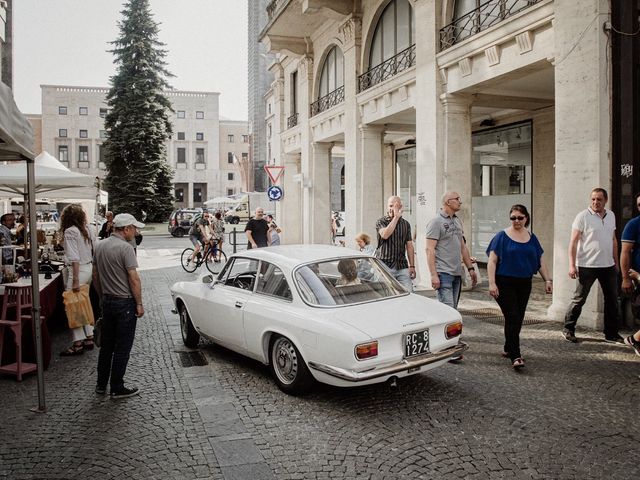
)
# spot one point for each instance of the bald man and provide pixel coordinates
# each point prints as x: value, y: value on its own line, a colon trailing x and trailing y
x: 395, y: 244
x: 446, y: 251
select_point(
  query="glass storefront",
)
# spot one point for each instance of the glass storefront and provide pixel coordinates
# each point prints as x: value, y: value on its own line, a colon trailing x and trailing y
x: 406, y: 183
x: 501, y: 177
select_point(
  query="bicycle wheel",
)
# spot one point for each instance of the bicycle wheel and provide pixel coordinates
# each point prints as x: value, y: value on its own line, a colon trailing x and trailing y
x: 215, y: 266
x: 186, y: 262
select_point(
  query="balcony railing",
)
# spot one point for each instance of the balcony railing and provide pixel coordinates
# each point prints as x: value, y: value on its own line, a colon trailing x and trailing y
x: 387, y: 69
x: 483, y: 17
x: 292, y: 121
x: 329, y: 100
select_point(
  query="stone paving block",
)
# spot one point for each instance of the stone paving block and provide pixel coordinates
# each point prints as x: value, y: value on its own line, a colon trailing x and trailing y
x: 235, y: 452
x: 253, y: 471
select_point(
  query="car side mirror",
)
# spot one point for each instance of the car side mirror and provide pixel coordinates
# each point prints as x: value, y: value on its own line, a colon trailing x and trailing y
x: 207, y: 279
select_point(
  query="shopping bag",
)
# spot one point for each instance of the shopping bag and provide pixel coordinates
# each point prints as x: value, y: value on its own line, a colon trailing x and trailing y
x: 78, y: 307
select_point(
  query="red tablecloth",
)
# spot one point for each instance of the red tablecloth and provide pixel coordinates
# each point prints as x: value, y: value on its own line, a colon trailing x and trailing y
x: 50, y: 307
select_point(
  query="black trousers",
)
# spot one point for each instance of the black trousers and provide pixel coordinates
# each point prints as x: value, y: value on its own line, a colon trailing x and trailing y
x: 608, y: 279
x: 513, y: 298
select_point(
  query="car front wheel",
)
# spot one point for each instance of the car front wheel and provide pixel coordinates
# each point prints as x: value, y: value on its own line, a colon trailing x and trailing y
x: 288, y: 367
x: 190, y: 337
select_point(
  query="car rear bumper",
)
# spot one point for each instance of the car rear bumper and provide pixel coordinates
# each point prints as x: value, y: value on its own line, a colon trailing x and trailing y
x: 403, y: 366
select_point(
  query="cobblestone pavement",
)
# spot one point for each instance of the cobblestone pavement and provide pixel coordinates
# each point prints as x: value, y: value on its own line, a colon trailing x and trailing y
x: 571, y: 414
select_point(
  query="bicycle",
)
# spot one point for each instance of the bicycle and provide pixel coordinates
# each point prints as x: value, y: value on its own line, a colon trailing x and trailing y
x: 212, y: 257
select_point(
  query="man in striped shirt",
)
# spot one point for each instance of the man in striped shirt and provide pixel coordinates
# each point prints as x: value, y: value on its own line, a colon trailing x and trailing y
x: 395, y: 244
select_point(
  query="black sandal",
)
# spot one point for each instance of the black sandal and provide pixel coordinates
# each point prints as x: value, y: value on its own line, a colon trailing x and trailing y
x: 87, y: 343
x: 73, y: 350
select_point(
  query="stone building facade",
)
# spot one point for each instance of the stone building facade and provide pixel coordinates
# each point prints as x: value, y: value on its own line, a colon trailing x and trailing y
x: 72, y: 126
x: 504, y: 101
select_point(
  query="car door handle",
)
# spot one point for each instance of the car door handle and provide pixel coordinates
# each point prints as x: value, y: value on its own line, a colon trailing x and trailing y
x: 239, y: 304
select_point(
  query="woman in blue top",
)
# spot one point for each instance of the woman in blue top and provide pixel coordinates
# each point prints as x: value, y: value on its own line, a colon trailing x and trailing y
x: 515, y: 255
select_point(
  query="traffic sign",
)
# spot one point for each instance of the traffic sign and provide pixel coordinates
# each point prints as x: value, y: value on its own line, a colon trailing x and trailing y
x: 274, y: 193
x: 274, y: 172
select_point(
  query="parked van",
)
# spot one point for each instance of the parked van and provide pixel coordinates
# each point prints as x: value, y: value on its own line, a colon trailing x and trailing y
x: 181, y: 220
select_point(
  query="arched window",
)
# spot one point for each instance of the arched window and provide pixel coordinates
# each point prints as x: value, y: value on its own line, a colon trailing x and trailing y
x: 394, y: 32
x: 332, y: 74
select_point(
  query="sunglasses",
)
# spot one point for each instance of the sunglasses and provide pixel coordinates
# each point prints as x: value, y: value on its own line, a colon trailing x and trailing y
x: 514, y: 218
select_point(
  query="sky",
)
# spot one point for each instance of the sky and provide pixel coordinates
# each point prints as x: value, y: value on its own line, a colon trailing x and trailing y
x: 65, y: 42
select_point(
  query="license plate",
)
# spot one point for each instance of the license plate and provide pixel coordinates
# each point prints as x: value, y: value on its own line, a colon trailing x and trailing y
x: 416, y: 343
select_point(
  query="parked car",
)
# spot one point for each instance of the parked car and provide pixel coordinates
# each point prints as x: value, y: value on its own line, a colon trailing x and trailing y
x: 316, y: 312
x: 181, y: 220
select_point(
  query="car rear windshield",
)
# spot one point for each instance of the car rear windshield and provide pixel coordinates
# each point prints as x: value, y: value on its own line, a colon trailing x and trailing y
x: 346, y: 281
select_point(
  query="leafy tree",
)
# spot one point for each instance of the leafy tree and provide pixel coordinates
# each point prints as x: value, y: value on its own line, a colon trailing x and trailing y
x: 138, y: 177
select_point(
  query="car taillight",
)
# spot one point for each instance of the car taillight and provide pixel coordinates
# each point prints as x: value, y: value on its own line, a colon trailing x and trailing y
x: 453, y: 330
x: 367, y: 350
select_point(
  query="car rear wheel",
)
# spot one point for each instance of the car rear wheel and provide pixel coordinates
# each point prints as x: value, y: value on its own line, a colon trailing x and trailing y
x: 190, y: 336
x: 235, y: 220
x: 287, y: 366
x: 179, y: 232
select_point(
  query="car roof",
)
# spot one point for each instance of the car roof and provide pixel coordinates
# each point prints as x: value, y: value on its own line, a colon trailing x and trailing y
x: 294, y: 255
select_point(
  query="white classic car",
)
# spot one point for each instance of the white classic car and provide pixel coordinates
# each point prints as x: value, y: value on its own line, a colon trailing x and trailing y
x: 318, y: 312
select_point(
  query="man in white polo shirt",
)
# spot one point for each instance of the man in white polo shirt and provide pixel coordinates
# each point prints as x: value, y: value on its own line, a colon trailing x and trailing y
x: 593, y: 255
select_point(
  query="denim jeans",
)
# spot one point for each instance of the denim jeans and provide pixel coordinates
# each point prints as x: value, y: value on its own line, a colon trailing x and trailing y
x: 513, y: 298
x: 607, y: 277
x: 403, y: 276
x: 449, y: 291
x: 118, y: 331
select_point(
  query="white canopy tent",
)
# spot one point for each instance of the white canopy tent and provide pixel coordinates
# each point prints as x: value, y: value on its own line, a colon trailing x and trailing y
x: 16, y: 138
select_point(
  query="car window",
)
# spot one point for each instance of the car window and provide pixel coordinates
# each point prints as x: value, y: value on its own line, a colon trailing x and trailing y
x: 240, y: 273
x: 346, y: 281
x: 271, y: 281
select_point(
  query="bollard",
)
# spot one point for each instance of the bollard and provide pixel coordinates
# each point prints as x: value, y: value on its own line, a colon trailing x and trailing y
x: 234, y: 239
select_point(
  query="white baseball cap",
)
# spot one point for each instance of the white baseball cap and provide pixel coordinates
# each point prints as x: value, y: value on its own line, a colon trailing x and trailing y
x: 125, y: 219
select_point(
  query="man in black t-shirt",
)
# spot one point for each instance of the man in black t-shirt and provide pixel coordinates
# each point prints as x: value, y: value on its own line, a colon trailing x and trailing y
x: 256, y: 231
x: 198, y: 233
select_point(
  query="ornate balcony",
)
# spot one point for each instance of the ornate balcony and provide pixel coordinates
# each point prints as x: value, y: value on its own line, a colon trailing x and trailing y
x: 387, y: 69
x: 480, y: 19
x: 329, y: 100
x: 292, y: 121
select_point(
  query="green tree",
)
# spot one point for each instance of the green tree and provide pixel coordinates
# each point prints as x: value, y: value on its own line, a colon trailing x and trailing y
x: 138, y: 177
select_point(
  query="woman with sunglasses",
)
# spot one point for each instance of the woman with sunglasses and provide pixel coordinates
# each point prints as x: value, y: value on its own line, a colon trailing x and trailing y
x: 515, y: 255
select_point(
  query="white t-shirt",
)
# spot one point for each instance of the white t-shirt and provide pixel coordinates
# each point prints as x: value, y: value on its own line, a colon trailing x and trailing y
x: 595, y: 245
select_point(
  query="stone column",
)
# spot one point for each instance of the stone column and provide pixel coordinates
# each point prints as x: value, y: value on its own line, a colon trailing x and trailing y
x: 189, y: 194
x: 351, y: 31
x: 369, y: 180
x: 582, y: 131
x: 457, y: 152
x: 305, y: 86
x: 318, y: 198
x: 430, y: 168
x: 291, y: 222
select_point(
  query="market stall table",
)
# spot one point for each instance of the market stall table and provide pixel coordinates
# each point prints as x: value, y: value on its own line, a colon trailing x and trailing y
x: 50, y: 305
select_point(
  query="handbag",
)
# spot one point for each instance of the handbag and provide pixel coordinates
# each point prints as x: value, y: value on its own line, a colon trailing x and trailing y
x: 77, y: 306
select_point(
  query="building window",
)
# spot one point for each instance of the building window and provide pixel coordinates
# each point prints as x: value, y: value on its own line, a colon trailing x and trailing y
x: 197, y: 195
x: 245, y: 138
x: 199, y: 155
x: 180, y: 195
x: 199, y: 136
x: 182, y: 155
x: 230, y: 157
x: 229, y: 192
x: 294, y: 93
x: 83, y: 111
x: 199, y: 115
x: 84, y: 134
x: 181, y: 136
x: 394, y: 32
x: 332, y: 74
x: 269, y: 132
x: 103, y: 134
x: 103, y: 112
x: 230, y: 138
x: 62, y: 110
x: 63, y: 153
x: 62, y: 133
x: 101, y: 156
x: 230, y: 176
x: 269, y: 108
x: 245, y: 156
x: 83, y: 153
x: 180, y: 114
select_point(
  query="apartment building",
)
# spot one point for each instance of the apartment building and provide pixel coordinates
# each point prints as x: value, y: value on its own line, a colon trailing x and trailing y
x: 235, y: 166
x: 72, y: 126
x: 504, y: 101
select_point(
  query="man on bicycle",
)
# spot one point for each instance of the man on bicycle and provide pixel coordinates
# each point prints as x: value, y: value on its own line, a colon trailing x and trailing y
x: 198, y: 234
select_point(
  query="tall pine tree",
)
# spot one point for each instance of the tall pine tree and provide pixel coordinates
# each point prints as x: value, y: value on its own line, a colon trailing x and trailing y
x: 138, y: 177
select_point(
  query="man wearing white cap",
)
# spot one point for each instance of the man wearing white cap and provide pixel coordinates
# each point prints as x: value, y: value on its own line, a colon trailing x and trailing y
x: 117, y: 281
